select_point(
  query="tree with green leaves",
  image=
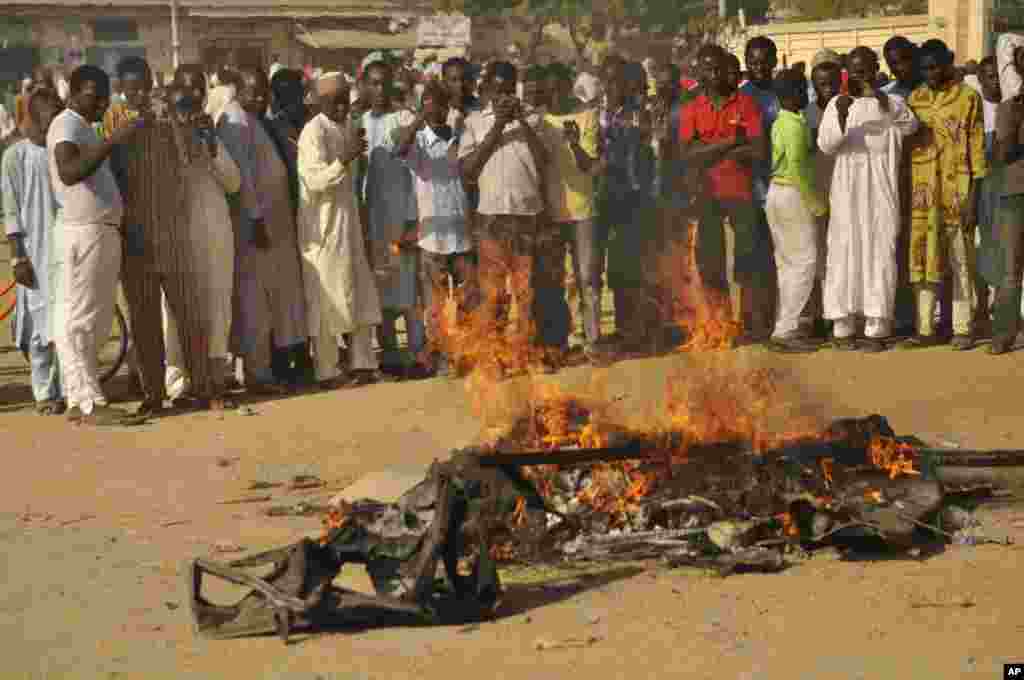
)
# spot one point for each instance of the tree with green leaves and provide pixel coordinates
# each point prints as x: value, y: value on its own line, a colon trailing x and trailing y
x: 818, y: 10
x: 690, y: 22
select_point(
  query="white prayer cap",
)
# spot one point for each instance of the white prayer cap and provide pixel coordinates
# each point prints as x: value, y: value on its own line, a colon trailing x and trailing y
x: 330, y: 83
x: 587, y: 87
x: 1009, y: 79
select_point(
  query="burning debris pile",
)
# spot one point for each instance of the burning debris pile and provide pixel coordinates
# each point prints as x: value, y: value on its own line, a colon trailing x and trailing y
x: 732, y: 471
x: 729, y: 474
x: 708, y: 487
x: 725, y: 504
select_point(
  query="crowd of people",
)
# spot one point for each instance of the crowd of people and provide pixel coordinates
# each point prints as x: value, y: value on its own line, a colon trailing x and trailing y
x: 268, y: 228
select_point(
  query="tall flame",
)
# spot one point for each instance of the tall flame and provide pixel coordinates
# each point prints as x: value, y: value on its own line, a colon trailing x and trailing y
x: 704, y: 314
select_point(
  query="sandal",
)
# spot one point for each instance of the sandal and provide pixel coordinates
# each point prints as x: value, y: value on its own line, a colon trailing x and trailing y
x: 264, y: 389
x: 920, y: 342
x: 1000, y: 345
x: 332, y: 384
x: 148, y: 408
x: 873, y: 345
x: 844, y: 344
x: 51, y: 407
x: 419, y: 372
x: 222, y: 403
x: 962, y: 343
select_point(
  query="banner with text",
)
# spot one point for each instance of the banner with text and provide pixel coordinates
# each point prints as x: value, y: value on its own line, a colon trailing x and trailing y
x: 443, y: 30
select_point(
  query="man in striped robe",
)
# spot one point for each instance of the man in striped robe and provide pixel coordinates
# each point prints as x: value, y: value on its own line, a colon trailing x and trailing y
x: 151, y: 178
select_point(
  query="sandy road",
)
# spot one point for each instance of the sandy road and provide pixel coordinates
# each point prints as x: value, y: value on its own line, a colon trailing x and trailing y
x: 96, y: 524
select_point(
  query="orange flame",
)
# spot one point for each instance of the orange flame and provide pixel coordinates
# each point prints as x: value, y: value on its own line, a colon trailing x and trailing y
x: 519, y: 514
x: 873, y: 495
x: 826, y: 470
x: 895, y: 457
x: 789, y: 527
x: 705, y: 314
x: 336, y: 518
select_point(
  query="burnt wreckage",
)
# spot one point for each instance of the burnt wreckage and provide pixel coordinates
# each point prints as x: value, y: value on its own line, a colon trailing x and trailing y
x: 431, y: 556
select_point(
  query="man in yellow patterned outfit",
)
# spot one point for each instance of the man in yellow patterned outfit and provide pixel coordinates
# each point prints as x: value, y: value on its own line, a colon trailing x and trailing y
x: 948, y: 162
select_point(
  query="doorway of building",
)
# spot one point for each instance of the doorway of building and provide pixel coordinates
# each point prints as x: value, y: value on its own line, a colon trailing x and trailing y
x: 244, y: 56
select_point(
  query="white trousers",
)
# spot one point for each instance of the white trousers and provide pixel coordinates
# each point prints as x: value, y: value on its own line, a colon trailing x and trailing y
x: 874, y: 327
x: 795, y: 235
x: 89, y: 266
x: 178, y: 381
x: 965, y: 298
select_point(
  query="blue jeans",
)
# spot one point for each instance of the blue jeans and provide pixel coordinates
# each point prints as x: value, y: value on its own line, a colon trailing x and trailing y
x: 45, y: 371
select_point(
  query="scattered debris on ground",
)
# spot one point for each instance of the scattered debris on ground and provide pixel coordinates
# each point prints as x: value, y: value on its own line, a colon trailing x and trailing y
x: 433, y: 555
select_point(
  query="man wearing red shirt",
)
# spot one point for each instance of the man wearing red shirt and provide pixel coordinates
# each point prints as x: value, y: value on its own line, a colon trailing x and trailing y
x: 720, y: 136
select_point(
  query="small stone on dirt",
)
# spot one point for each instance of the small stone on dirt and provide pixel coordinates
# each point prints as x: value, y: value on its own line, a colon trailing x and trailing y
x: 540, y: 644
x: 227, y: 547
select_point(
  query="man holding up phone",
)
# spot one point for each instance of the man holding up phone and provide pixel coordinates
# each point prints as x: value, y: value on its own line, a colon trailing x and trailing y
x: 865, y: 133
x: 500, y: 149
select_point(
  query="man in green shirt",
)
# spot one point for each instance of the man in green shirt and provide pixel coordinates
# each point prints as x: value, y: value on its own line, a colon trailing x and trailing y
x: 792, y: 206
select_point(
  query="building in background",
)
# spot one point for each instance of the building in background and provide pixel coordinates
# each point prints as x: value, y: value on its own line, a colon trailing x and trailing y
x: 71, y: 32
x: 969, y: 27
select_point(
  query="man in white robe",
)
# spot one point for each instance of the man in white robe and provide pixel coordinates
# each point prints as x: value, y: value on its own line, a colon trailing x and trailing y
x: 211, y: 175
x: 341, y: 290
x: 865, y: 133
x: 269, y: 300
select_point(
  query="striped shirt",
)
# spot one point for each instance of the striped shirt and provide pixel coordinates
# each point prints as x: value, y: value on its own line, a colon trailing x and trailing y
x: 150, y: 173
x: 440, y: 198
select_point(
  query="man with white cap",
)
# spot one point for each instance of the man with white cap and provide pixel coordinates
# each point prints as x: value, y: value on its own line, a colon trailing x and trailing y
x: 341, y: 291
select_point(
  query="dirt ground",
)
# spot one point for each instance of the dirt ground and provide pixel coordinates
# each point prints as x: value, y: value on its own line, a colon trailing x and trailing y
x: 96, y: 526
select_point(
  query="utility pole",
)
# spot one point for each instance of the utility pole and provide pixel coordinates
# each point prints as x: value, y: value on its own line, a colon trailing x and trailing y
x: 722, y: 9
x: 175, y: 43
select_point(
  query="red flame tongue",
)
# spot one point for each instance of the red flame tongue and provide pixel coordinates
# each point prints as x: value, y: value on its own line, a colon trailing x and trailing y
x: 895, y: 457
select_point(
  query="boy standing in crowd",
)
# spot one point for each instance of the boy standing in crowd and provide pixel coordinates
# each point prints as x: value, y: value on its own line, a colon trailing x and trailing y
x: 902, y: 59
x: 827, y: 84
x: 986, y: 83
x: 571, y: 135
x: 29, y: 210
x: 761, y: 56
x: 391, y: 208
x: 429, y: 146
x: 793, y: 206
